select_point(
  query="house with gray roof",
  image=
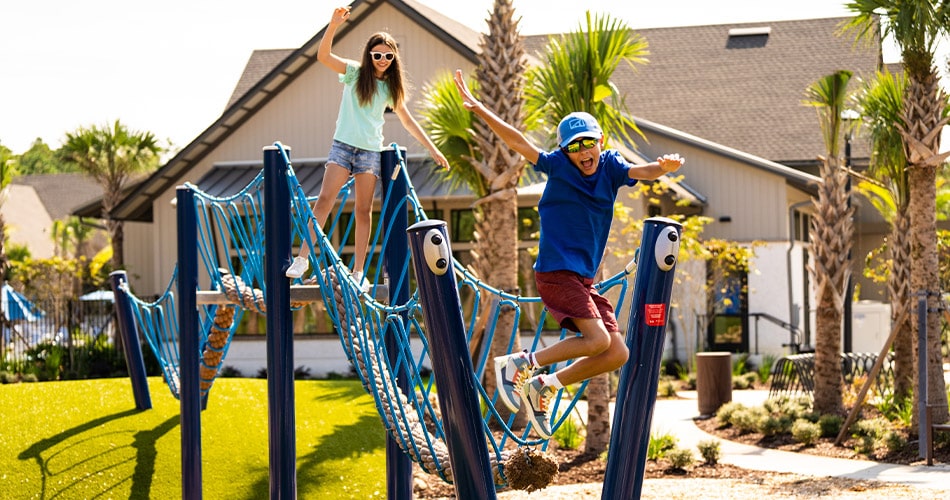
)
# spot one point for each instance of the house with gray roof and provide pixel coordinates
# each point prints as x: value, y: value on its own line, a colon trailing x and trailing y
x: 727, y: 97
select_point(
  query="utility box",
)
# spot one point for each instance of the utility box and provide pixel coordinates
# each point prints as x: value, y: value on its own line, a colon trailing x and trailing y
x: 870, y: 325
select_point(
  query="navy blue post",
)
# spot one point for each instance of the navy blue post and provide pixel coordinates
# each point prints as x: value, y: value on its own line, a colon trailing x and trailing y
x: 280, y: 328
x: 395, y: 215
x: 646, y: 331
x: 923, y: 430
x: 451, y: 364
x: 189, y: 392
x: 130, y: 340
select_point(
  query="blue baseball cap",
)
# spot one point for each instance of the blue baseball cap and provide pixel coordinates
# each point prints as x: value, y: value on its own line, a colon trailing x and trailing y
x: 577, y: 124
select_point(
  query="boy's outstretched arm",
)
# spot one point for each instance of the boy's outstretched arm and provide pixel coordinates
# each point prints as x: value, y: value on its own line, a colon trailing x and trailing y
x: 510, y: 135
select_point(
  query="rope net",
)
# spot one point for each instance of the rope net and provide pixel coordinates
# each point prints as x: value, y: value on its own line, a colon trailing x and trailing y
x: 385, y: 343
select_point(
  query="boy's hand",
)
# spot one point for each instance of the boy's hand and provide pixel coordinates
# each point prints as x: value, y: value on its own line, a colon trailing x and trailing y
x: 671, y: 162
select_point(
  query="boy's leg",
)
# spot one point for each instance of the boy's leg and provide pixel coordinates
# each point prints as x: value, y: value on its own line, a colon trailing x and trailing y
x: 511, y: 372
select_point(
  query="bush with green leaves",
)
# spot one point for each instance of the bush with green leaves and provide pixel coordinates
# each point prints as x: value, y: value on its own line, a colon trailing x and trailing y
x: 749, y: 420
x: 725, y: 412
x: 710, y: 450
x: 568, y: 434
x: 660, y: 444
x: 806, y: 432
x: 869, y: 433
x: 666, y: 389
x: 830, y: 425
x: 764, y: 370
x: 680, y: 458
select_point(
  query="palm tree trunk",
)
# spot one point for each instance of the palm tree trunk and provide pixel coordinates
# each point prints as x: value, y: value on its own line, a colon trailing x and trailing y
x: 925, y: 278
x: 831, y: 241
x: 898, y: 286
x: 598, y: 414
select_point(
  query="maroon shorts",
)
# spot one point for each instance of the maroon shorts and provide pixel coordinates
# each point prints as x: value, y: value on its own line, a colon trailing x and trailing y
x: 568, y: 295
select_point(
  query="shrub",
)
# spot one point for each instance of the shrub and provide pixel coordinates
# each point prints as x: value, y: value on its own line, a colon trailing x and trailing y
x: 7, y: 378
x: 29, y: 377
x: 725, y: 412
x: 764, y: 371
x: 680, y: 458
x: 568, y: 435
x: 774, y: 424
x: 830, y: 425
x: 666, y: 389
x: 710, y: 451
x: 806, y: 432
x: 659, y: 445
x: 749, y: 419
x: 894, y: 441
x: 230, y: 372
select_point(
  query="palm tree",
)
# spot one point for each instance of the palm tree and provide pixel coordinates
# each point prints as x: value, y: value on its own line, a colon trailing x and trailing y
x: 112, y: 155
x: 831, y: 237
x: 881, y: 102
x: 484, y: 162
x: 915, y: 26
x: 574, y: 75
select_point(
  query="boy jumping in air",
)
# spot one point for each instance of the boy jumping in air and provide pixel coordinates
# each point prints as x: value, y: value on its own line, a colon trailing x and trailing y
x: 576, y: 211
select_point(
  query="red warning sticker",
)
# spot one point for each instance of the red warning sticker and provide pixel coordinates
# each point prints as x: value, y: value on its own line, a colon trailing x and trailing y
x: 655, y: 314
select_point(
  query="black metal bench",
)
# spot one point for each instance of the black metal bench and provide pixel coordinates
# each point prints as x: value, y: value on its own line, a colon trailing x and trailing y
x: 930, y: 435
x: 794, y: 375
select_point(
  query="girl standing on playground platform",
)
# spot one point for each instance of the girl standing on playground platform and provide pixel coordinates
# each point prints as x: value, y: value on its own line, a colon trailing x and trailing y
x: 370, y: 86
x: 576, y: 210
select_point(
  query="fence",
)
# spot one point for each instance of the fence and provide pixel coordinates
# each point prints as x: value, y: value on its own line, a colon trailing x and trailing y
x: 70, y: 339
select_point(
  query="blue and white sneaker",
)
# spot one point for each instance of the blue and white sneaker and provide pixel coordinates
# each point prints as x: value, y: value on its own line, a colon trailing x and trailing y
x: 511, y: 372
x: 540, y: 400
x: 297, y: 267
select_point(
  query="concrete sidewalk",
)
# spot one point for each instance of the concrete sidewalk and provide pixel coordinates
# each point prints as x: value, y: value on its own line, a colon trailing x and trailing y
x: 675, y: 416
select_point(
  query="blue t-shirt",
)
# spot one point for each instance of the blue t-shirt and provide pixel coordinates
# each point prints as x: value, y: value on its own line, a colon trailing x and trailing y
x: 361, y: 126
x: 576, y: 211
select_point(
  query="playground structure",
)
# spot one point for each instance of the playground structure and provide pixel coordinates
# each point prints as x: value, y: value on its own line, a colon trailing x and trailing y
x: 390, y: 335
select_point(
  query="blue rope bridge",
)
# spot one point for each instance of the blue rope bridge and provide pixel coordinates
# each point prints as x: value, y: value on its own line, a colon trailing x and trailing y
x: 386, y: 343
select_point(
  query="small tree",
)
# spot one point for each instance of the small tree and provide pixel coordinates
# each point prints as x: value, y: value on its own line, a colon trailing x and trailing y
x: 113, y: 155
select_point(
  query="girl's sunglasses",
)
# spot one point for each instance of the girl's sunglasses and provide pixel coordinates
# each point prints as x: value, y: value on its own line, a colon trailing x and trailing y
x: 580, y: 144
x: 379, y: 55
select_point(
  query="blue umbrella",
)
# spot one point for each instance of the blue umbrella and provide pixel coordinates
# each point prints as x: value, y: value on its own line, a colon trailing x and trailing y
x: 16, y: 307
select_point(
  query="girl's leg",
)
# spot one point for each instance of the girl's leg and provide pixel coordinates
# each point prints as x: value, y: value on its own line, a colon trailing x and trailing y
x: 363, y: 211
x: 334, y: 176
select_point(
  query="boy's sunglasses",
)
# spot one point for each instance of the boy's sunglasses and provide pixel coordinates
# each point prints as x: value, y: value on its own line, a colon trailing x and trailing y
x: 379, y: 55
x: 580, y: 144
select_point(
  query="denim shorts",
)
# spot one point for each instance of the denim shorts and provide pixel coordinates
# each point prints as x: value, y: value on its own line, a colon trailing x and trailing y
x: 568, y: 295
x: 355, y: 160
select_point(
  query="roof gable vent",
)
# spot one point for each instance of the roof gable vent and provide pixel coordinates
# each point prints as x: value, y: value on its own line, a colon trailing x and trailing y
x: 748, y: 38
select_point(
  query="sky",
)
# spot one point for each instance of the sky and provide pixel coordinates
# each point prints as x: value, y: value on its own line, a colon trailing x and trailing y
x: 169, y: 67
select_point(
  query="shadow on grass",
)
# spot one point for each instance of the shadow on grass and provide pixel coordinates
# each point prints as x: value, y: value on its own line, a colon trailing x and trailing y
x: 144, y: 444
x: 347, y: 441
x: 145, y: 454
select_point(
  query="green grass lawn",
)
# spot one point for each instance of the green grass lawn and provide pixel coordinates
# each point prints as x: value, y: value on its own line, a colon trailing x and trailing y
x: 85, y: 439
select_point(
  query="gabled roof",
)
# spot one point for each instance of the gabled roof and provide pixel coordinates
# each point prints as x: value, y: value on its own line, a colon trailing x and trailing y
x: 61, y: 194
x: 699, y: 76
x: 138, y: 205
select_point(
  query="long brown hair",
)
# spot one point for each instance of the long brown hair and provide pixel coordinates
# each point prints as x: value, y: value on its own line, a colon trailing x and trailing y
x: 366, y: 82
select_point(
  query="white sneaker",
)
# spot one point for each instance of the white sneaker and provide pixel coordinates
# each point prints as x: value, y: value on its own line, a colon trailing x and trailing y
x: 298, y: 267
x: 361, y: 281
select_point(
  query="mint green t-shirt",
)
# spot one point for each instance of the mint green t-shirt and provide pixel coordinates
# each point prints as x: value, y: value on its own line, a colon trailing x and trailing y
x: 361, y: 126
